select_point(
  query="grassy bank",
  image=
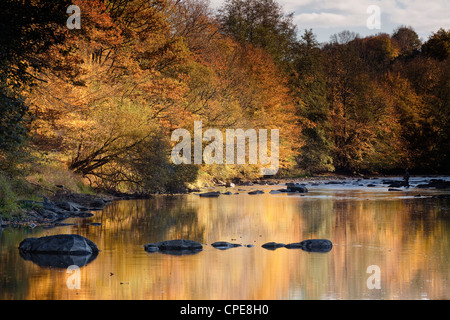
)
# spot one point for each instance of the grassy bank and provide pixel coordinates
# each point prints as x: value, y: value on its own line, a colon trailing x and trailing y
x: 43, y: 181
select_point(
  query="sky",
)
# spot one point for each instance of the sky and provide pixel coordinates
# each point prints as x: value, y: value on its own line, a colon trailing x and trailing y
x: 328, y: 17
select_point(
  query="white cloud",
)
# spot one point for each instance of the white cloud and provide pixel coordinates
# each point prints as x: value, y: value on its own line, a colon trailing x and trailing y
x: 425, y: 16
x: 325, y: 20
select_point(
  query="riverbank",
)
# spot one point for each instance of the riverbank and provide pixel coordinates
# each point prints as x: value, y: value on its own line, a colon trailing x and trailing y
x: 52, y: 209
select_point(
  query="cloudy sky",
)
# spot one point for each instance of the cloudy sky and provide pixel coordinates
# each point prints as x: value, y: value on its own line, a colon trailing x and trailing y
x: 327, y: 17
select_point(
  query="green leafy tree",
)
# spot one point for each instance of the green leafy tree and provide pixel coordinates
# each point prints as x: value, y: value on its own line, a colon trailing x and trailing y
x: 27, y: 29
x: 310, y: 86
x: 263, y: 24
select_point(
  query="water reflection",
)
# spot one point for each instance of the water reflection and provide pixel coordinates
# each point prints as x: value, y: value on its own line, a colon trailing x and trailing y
x: 58, y: 260
x: 407, y: 238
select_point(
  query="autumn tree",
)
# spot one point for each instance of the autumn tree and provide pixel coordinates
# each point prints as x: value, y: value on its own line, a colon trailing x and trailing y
x: 438, y: 45
x: 122, y: 88
x: 364, y: 128
x: 407, y: 40
x: 428, y: 76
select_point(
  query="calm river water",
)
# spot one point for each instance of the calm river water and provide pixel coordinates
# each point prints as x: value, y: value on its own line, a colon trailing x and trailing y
x: 406, y: 239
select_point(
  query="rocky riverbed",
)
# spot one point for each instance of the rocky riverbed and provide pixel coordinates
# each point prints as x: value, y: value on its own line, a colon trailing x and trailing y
x: 52, y: 211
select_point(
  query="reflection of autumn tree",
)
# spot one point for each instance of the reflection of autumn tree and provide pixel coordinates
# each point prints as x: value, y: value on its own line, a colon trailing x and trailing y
x: 162, y: 215
x: 395, y: 235
x: 398, y: 235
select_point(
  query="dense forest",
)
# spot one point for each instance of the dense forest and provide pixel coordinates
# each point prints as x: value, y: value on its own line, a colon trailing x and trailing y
x: 99, y: 103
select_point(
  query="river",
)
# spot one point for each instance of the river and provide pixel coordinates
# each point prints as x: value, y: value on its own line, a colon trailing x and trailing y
x: 386, y: 245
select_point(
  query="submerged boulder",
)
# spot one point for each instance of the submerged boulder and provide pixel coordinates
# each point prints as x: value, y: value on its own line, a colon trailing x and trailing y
x: 177, y: 247
x: 272, y: 245
x: 275, y: 191
x: 256, y: 192
x: 312, y: 245
x: 435, y: 183
x: 212, y: 194
x: 223, y: 245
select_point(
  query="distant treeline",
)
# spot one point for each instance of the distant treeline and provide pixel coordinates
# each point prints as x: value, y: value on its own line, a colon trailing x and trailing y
x: 103, y: 100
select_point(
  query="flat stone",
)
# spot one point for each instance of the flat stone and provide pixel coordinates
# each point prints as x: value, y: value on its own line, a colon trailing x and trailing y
x: 223, y: 245
x: 178, y: 246
x: 256, y: 192
x: 210, y: 194
x: 272, y: 245
x: 312, y: 245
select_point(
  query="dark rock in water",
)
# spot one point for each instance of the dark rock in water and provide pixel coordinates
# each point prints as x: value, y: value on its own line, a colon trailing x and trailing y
x: 176, y: 247
x: 396, y: 184
x: 97, y: 204
x: 296, y: 245
x: 335, y: 182
x: 441, y: 196
x: 312, y: 245
x: 275, y: 191
x: 223, y: 245
x: 272, y: 245
x: 151, y: 247
x: 65, y: 206
x: 295, y: 187
x: 95, y: 224
x: 256, y: 192
x: 71, y: 244
x: 179, y: 245
x: 435, y: 183
x: 210, y: 194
